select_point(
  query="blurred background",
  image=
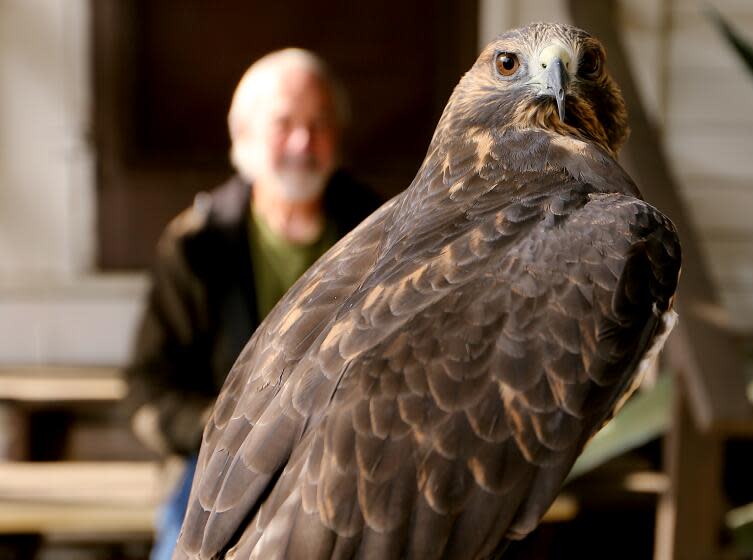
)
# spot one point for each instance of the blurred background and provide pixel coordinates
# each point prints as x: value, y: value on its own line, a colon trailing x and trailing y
x: 113, y: 116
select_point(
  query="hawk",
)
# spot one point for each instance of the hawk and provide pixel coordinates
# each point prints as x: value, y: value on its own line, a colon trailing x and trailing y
x: 426, y: 386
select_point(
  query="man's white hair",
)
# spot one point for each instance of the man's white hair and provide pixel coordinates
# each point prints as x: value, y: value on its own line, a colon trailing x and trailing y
x: 245, y: 98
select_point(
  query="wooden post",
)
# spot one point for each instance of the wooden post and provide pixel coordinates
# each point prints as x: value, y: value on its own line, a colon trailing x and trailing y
x: 689, y: 514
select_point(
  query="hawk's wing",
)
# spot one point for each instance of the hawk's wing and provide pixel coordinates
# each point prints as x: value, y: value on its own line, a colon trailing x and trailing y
x: 425, y: 396
x: 256, y: 378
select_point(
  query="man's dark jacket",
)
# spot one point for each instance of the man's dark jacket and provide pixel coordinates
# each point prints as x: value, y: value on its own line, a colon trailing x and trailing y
x: 201, y: 309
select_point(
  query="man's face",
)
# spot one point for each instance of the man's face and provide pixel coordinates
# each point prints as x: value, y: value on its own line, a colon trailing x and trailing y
x: 292, y: 137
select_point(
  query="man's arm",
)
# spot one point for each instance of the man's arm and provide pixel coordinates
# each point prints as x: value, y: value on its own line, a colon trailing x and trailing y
x: 169, y: 374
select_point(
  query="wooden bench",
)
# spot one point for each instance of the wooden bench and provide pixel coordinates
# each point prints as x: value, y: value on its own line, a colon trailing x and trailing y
x: 79, y: 497
x: 75, y: 506
x: 45, y: 384
x: 80, y: 404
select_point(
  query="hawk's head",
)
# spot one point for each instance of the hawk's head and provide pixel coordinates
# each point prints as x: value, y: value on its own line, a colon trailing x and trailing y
x: 545, y: 76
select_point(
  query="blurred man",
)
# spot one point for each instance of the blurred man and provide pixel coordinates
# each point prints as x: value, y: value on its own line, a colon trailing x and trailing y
x: 222, y: 264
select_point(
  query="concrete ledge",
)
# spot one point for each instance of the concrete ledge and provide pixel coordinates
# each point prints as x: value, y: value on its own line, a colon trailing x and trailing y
x: 83, y: 321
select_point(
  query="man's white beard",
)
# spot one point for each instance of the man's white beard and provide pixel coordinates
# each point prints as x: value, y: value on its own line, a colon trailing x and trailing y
x: 297, y: 181
x: 299, y: 185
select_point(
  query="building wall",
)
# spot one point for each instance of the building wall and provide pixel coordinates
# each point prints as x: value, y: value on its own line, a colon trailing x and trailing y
x: 53, y: 309
x: 709, y: 136
x: 46, y: 172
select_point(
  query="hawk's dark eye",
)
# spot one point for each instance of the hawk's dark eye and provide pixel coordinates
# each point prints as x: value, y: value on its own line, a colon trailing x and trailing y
x: 507, y: 63
x: 590, y: 63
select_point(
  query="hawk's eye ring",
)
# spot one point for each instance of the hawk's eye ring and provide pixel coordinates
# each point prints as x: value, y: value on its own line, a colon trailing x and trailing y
x: 507, y: 63
x: 590, y: 63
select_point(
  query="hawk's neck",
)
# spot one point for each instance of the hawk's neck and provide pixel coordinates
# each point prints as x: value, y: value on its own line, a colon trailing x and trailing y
x: 509, y: 152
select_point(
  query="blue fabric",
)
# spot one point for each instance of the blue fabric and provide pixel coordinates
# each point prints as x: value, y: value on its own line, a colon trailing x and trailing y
x: 171, y: 515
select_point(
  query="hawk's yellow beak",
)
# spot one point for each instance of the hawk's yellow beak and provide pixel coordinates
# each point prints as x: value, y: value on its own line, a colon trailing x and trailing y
x: 553, y: 76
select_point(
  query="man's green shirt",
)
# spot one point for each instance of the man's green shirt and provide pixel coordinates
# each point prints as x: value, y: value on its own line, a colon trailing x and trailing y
x: 278, y: 263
